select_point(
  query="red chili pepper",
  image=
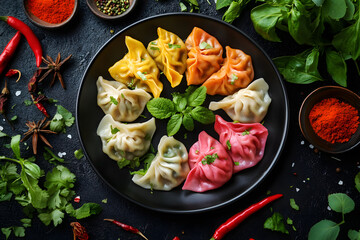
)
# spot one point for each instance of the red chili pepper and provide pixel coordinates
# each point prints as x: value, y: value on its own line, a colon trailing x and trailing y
x: 13, y: 72
x: 235, y: 220
x: 126, y: 227
x: 39, y: 105
x: 31, y: 38
x: 176, y: 238
x: 9, y: 51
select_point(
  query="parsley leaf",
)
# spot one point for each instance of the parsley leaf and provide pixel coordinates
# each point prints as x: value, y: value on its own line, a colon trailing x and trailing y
x: 208, y: 159
x: 62, y: 119
x: 276, y: 223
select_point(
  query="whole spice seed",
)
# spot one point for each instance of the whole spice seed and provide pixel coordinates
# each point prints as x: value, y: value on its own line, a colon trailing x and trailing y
x: 79, y: 231
x: 112, y: 7
x: 31, y: 38
x: 235, y: 220
x: 126, y: 227
x: 9, y: 51
x: 36, y: 130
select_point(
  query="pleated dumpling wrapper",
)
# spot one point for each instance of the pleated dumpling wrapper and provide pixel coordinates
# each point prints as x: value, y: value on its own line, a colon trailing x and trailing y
x: 170, y: 54
x: 248, y: 105
x: 236, y: 73
x: 204, y: 56
x: 122, y: 142
x: 124, y: 105
x: 137, y: 69
x: 168, y: 169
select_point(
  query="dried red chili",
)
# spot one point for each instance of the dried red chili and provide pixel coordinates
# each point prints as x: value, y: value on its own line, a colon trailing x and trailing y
x: 4, y: 95
x: 9, y: 51
x: 235, y: 220
x: 126, y: 227
x: 32, y: 86
x: 334, y: 120
x: 176, y: 238
x: 13, y: 72
x: 31, y: 38
x: 79, y: 231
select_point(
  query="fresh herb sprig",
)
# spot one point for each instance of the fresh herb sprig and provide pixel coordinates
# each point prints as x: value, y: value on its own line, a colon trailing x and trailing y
x: 51, y: 201
x: 327, y: 229
x: 233, y: 8
x: 182, y: 110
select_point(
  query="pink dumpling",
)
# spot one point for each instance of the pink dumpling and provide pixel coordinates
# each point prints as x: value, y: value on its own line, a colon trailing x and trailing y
x: 245, y: 142
x: 210, y: 164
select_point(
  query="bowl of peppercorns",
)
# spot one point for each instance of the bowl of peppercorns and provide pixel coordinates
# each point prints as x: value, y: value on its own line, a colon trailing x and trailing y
x: 329, y: 119
x: 111, y: 9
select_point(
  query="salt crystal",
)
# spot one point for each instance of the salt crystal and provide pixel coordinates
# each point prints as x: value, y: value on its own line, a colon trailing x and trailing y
x: 329, y: 208
x: 340, y: 182
x: 293, y: 164
x: 311, y: 146
x: 1, y: 128
x: 302, y: 142
x: 17, y: 93
x: 297, y: 189
x: 69, y: 136
x: 304, y: 181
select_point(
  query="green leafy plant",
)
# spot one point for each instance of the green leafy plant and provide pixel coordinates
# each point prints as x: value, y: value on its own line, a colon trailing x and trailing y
x: 357, y: 181
x: 276, y: 223
x: 233, y: 8
x: 182, y: 110
x: 51, y: 201
x: 62, y: 119
x: 327, y: 229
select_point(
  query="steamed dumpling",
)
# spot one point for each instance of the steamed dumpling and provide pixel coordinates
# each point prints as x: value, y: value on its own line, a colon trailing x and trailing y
x: 125, y: 141
x: 170, y: 54
x: 245, y: 142
x: 123, y: 104
x: 168, y: 169
x: 210, y: 164
x: 248, y: 105
x: 236, y: 72
x: 204, y: 56
x: 137, y: 69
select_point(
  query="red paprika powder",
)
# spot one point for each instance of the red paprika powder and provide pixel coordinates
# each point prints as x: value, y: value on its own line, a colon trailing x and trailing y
x: 333, y: 120
x: 51, y: 11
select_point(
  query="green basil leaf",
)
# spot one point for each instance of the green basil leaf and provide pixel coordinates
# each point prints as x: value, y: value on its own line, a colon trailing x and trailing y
x: 223, y: 3
x: 324, y: 230
x: 202, y: 115
x: 318, y: 2
x: 350, y: 10
x: 337, y: 67
x: 312, y: 60
x: 350, y: 36
x: 197, y: 97
x: 334, y: 9
x: 357, y: 181
x: 299, y: 24
x: 265, y: 17
x: 174, y: 124
x: 161, y: 108
x: 232, y: 12
x: 15, y: 146
x: 354, y: 235
x: 341, y: 203
x: 295, y: 69
x: 188, y: 122
x: 276, y: 223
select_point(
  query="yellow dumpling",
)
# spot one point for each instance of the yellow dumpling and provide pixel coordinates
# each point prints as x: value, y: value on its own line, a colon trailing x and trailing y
x: 137, y: 69
x: 170, y: 54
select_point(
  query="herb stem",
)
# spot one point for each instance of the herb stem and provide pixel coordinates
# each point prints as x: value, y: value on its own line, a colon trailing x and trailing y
x: 9, y: 159
x: 357, y: 67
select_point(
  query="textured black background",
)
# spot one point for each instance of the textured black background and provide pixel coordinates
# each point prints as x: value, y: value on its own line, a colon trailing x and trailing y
x: 83, y: 38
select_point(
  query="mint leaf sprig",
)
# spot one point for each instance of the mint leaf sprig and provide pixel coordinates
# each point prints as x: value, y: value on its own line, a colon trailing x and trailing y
x: 182, y: 110
x: 327, y: 229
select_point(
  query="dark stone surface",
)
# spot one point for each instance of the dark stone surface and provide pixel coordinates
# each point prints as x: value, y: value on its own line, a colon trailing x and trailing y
x: 315, y: 178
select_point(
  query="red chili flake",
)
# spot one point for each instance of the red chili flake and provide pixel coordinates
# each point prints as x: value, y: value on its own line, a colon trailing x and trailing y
x: 295, y: 174
x: 77, y: 199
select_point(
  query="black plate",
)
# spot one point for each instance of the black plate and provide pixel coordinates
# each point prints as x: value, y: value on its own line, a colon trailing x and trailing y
x: 177, y: 200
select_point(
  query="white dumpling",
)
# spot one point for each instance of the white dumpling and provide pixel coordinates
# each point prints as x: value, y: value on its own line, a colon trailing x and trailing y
x: 248, y: 105
x: 168, y: 169
x: 124, y: 105
x: 120, y: 140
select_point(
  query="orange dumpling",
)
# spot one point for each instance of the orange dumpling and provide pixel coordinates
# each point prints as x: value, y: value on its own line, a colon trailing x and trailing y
x: 237, y: 72
x: 204, y: 56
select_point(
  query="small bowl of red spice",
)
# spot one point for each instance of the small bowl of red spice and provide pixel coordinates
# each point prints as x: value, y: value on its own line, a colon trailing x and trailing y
x: 50, y: 13
x: 329, y: 119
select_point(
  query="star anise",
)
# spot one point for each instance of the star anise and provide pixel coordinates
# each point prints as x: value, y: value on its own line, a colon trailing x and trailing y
x: 54, y: 66
x: 36, y: 130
